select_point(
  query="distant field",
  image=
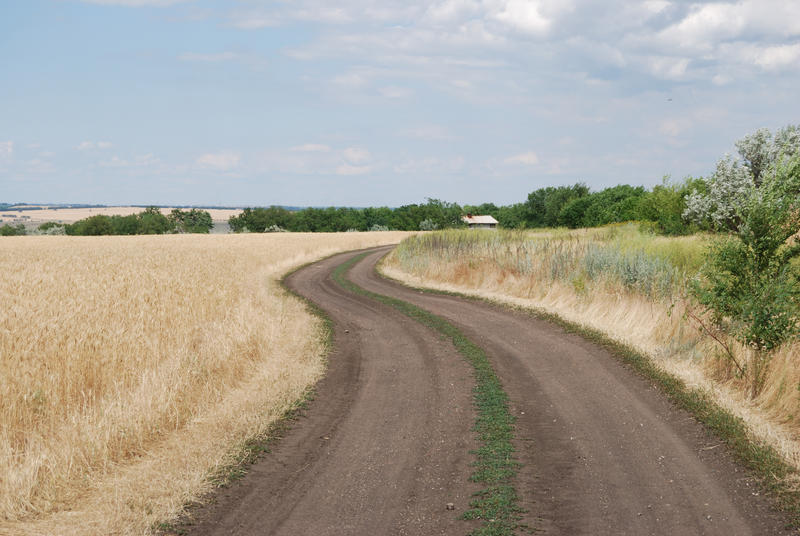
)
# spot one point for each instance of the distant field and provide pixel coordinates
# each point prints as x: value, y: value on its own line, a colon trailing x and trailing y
x: 131, y: 367
x: 71, y: 215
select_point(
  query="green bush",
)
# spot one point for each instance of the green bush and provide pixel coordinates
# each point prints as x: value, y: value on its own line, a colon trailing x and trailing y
x: 191, y: 221
x: 749, y: 284
x: 13, y: 230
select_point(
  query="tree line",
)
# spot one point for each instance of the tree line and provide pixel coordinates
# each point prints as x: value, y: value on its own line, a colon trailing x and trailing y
x: 149, y: 221
x: 712, y: 203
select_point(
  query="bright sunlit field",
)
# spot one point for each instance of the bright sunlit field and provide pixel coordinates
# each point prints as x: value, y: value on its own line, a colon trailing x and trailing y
x: 131, y: 368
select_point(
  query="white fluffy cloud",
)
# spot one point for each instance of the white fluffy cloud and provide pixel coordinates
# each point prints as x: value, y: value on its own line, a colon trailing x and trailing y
x: 208, y: 58
x: 533, y: 16
x: 90, y: 145
x: 348, y: 169
x: 140, y: 161
x: 428, y: 132
x: 135, y: 3
x: 6, y: 149
x: 223, y: 161
x: 526, y: 159
x: 356, y: 155
x: 311, y: 148
x: 455, y: 39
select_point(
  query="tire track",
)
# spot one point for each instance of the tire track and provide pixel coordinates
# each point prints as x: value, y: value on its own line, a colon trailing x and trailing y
x: 603, y: 450
x: 384, y: 445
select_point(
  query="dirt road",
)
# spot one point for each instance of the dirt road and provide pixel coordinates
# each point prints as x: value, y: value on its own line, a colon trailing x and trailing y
x: 385, y: 444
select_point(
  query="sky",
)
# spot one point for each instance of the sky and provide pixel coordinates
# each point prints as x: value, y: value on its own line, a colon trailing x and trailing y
x: 380, y: 102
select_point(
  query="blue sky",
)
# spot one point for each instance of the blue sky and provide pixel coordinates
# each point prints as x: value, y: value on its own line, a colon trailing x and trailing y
x: 379, y: 102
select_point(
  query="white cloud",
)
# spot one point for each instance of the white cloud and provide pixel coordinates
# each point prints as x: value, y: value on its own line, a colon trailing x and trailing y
x: 209, y: 58
x: 525, y: 15
x: 394, y: 92
x: 222, y: 161
x: 708, y: 26
x: 526, y: 159
x: 777, y: 57
x: 144, y: 160
x: 6, y: 149
x: 428, y: 132
x: 347, y: 169
x: 311, y: 148
x: 134, y: 3
x: 91, y: 145
x: 355, y: 155
x: 430, y: 166
x: 254, y: 20
x: 673, y: 127
x: 38, y: 166
x: 323, y: 13
x: 350, y: 80
x: 450, y: 10
x: 667, y: 68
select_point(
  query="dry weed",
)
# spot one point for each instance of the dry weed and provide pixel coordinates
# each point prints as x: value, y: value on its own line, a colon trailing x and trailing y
x: 552, y: 272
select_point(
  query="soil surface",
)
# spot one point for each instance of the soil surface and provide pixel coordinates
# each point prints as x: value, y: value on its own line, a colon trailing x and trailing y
x: 385, y: 444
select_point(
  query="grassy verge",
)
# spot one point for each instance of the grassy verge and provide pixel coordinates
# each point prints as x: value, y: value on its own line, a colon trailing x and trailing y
x: 497, y: 504
x: 244, y: 455
x: 249, y: 451
x: 777, y: 476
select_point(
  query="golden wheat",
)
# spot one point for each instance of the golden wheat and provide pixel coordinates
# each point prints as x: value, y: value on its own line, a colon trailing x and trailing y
x: 131, y: 367
x: 548, y: 271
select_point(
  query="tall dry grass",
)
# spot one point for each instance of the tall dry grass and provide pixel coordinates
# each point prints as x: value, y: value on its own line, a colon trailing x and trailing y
x: 132, y: 367
x: 629, y: 285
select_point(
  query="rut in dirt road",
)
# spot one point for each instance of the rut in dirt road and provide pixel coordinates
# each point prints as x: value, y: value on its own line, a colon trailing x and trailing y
x: 384, y: 446
x: 386, y: 442
x: 603, y: 451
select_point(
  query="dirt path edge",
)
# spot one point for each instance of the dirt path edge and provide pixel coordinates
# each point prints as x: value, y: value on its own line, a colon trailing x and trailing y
x: 776, y: 476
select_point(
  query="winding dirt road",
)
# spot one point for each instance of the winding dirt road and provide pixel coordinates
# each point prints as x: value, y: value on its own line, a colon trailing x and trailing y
x: 385, y: 445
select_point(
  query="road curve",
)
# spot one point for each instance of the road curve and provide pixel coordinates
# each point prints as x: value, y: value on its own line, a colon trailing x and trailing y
x: 603, y: 450
x: 385, y: 444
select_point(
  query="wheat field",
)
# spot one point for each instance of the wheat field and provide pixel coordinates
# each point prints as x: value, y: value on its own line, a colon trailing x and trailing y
x: 626, y: 284
x: 132, y: 368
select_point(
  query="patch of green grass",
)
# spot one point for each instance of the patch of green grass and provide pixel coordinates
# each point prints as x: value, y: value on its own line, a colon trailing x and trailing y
x: 774, y: 473
x: 495, y: 466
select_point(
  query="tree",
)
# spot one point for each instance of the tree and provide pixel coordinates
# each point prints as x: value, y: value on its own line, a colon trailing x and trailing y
x: 191, y: 221
x: 545, y: 204
x: 572, y: 215
x: 13, y: 230
x: 511, y: 216
x: 734, y: 180
x: 152, y: 221
x: 665, y: 204
x: 96, y: 225
x: 728, y: 190
x: 125, y: 225
x: 749, y: 284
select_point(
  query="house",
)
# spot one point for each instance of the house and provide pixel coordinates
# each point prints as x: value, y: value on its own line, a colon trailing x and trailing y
x: 479, y: 222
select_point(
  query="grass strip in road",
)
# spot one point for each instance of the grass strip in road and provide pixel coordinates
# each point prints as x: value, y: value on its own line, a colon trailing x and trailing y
x: 777, y: 476
x: 497, y: 504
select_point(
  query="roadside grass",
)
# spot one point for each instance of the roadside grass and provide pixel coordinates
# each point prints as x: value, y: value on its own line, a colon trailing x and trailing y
x: 495, y: 467
x: 243, y: 455
x: 640, y: 322
x: 629, y: 284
